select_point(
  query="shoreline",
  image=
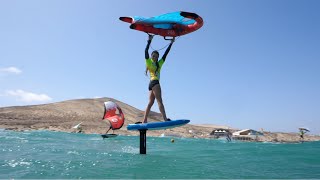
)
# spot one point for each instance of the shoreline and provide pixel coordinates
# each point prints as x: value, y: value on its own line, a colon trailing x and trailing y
x: 62, y: 116
x: 170, y: 133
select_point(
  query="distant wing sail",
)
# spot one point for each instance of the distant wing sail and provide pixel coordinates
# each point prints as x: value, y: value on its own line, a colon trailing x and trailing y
x: 170, y: 24
x: 76, y: 126
x: 304, y: 129
x: 113, y: 114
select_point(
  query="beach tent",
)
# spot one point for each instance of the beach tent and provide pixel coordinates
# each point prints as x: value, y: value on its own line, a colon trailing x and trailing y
x: 219, y: 132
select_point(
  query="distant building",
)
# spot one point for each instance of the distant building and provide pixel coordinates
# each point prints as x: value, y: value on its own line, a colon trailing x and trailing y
x: 246, y: 135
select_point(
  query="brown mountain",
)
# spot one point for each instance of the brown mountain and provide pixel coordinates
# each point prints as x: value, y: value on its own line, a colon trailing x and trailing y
x: 62, y: 116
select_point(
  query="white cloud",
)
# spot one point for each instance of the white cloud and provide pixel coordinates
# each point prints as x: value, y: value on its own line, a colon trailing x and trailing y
x: 28, y: 96
x: 13, y: 70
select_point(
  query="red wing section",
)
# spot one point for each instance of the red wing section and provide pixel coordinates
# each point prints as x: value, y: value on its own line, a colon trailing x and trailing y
x: 126, y: 19
x: 113, y: 114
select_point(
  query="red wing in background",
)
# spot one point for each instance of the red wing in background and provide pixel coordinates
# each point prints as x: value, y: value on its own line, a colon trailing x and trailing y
x: 114, y: 114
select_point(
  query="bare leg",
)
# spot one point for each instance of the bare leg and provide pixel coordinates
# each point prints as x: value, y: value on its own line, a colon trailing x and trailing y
x: 157, y: 93
x: 151, y: 101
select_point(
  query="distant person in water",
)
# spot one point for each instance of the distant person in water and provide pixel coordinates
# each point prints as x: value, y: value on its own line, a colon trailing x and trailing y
x: 302, y: 132
x: 229, y: 136
x: 154, y: 67
x: 79, y: 129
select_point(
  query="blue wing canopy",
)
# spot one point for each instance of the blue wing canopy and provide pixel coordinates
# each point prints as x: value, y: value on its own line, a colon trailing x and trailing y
x: 165, y: 21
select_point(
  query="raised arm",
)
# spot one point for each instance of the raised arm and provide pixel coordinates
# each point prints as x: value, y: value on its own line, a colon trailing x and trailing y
x: 146, y: 52
x: 168, y: 49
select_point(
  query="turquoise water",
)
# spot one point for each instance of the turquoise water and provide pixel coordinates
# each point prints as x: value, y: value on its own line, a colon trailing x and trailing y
x: 44, y: 154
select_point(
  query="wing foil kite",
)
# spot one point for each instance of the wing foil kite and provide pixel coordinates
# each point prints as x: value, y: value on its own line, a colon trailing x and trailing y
x: 304, y: 129
x: 171, y: 24
x: 110, y: 113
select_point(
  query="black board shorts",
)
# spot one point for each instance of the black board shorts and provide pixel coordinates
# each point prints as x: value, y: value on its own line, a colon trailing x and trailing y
x: 153, y: 83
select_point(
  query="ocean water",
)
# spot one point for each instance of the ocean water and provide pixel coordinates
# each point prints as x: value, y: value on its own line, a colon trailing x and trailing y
x: 46, y: 155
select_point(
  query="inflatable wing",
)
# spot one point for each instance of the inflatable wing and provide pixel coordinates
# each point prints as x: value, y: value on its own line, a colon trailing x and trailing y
x: 171, y: 24
x: 116, y: 119
x: 304, y: 129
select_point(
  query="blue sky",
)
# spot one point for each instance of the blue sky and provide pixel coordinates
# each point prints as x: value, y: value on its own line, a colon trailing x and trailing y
x: 254, y: 64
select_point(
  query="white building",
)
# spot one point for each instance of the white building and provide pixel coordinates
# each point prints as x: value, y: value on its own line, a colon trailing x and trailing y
x: 246, y: 134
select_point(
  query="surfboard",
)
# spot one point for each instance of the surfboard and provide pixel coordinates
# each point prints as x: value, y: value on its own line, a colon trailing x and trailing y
x: 108, y: 135
x: 158, y: 125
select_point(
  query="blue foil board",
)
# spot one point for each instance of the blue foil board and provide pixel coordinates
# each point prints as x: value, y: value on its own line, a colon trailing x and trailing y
x: 158, y: 125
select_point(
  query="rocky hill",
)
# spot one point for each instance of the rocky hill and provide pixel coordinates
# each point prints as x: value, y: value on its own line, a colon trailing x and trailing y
x: 62, y: 116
